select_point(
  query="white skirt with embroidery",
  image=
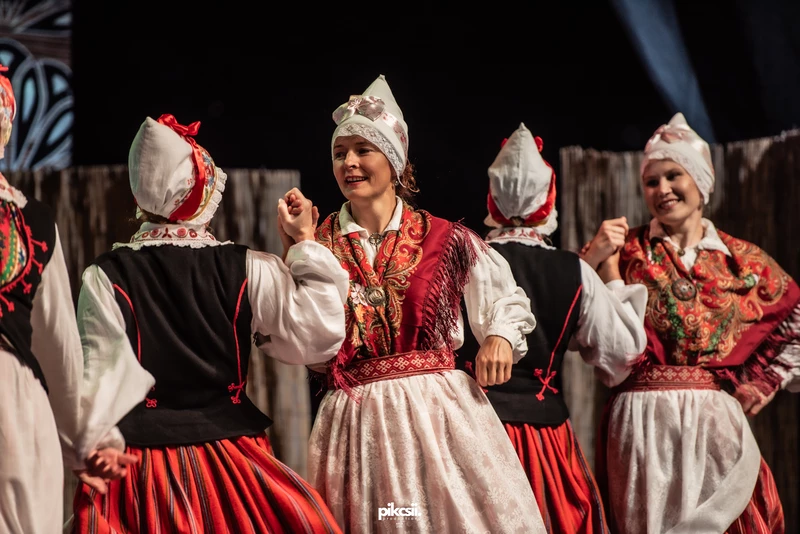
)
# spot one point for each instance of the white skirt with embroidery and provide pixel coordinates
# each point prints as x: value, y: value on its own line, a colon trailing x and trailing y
x: 425, y: 453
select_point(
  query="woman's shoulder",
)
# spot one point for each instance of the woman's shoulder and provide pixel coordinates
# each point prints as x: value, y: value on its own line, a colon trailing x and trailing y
x: 737, y: 242
x: 328, y: 222
x: 746, y: 251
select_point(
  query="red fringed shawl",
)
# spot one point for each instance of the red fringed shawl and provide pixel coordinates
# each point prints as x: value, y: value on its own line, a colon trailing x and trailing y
x: 422, y: 269
x: 722, y: 314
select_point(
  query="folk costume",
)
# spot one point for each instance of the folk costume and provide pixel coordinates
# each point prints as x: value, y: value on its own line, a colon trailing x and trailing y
x: 44, y: 425
x: 184, y: 306
x: 680, y: 455
x: 575, y: 310
x: 399, y: 427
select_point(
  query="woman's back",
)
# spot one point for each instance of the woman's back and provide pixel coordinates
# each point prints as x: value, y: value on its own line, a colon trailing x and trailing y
x: 188, y: 320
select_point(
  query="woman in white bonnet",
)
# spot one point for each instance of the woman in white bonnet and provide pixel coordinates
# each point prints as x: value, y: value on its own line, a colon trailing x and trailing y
x: 46, y: 418
x: 574, y: 310
x: 402, y: 441
x: 167, y: 320
x: 723, y: 327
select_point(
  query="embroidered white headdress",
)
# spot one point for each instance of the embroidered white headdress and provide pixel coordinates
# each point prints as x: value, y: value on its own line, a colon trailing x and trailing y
x: 171, y: 175
x: 375, y: 116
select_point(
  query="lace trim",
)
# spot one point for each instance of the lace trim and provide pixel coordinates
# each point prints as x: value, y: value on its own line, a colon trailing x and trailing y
x: 374, y: 136
x: 533, y: 236
x: 545, y: 229
x: 156, y: 235
x: 215, y: 187
x: 522, y: 235
x: 10, y: 193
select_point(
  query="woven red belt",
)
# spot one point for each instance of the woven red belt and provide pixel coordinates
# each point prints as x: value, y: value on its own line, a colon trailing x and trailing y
x: 665, y: 377
x: 416, y: 362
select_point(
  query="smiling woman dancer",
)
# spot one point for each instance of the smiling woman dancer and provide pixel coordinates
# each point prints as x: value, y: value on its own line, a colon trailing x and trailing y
x: 400, y: 427
x: 722, y: 317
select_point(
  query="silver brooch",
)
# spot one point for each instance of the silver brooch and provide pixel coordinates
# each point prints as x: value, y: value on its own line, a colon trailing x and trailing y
x: 376, y: 296
x: 683, y: 289
x: 375, y: 240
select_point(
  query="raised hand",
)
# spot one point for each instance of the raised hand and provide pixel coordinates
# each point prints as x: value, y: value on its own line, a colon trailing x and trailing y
x: 297, y: 217
x: 610, y: 238
x: 295, y: 205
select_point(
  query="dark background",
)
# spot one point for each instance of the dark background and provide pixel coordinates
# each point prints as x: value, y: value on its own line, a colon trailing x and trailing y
x: 264, y: 78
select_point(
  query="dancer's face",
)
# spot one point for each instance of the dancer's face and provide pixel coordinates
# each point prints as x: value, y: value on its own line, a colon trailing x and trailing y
x: 670, y: 192
x: 362, y: 171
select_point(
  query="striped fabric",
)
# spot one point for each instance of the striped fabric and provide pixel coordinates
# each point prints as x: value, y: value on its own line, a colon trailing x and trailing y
x: 562, y: 482
x: 227, y: 486
x: 764, y: 512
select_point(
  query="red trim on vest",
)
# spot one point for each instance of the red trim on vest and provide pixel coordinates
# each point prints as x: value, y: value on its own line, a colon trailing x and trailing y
x: 31, y: 253
x: 550, y: 374
x: 238, y: 387
x: 149, y: 402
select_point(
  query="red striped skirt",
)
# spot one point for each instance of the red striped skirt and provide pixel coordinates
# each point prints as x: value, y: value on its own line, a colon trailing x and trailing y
x: 223, y: 486
x: 562, y: 482
x: 764, y: 512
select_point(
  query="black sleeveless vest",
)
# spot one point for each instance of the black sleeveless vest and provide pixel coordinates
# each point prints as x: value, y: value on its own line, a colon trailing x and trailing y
x: 551, y: 279
x: 188, y: 317
x: 37, y: 229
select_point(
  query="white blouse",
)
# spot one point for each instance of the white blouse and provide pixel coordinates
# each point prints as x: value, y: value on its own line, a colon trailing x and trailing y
x: 496, y: 306
x: 57, y: 347
x: 298, y: 307
x: 610, y: 334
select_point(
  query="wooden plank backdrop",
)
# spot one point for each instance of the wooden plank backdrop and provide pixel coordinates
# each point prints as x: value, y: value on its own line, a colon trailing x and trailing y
x: 94, y: 208
x: 757, y: 198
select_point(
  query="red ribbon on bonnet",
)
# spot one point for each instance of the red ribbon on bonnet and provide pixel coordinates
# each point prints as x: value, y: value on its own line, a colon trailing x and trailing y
x: 8, y: 99
x: 189, y: 206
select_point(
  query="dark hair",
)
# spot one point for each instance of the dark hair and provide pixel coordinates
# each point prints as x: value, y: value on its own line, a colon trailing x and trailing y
x: 146, y: 216
x: 406, y: 185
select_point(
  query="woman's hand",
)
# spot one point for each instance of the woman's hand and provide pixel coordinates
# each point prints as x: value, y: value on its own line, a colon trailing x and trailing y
x: 610, y: 238
x: 608, y: 270
x: 297, y: 218
x: 752, y: 399
x: 103, y: 466
x: 493, y: 362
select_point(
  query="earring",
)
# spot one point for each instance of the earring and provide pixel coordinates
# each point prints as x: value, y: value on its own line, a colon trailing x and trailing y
x: 397, y: 182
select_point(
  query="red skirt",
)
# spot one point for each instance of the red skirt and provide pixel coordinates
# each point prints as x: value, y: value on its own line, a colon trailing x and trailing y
x: 223, y: 486
x: 562, y: 482
x: 764, y: 512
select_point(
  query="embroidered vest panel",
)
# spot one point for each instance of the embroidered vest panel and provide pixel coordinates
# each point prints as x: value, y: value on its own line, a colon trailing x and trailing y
x: 187, y: 317
x: 421, y: 271
x: 715, y: 314
x: 551, y: 279
x: 27, y: 241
